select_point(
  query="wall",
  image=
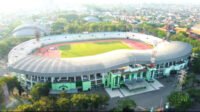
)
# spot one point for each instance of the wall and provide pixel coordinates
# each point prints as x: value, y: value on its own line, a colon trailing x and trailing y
x: 61, y: 86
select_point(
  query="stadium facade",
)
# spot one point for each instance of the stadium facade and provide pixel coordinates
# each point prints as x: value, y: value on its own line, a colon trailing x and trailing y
x: 113, y: 69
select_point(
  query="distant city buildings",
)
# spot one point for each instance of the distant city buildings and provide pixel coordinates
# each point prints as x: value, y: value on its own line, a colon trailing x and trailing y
x: 181, y: 16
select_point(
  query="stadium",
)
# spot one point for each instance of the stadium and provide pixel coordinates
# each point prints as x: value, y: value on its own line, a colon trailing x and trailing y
x: 80, y: 62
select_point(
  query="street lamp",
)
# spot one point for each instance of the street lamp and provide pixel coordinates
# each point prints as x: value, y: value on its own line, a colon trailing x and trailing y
x: 167, y: 105
x: 152, y: 109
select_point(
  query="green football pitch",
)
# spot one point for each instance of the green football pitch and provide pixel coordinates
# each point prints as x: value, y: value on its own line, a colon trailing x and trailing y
x: 90, y: 48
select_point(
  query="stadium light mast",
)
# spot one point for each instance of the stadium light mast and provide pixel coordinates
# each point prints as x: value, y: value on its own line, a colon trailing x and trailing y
x: 168, y: 32
x: 37, y: 36
x: 170, y: 29
x: 153, y: 57
x: 167, y: 27
x: 125, y: 19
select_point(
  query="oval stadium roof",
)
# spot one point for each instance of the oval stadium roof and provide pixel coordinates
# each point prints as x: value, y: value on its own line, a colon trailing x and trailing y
x: 28, y: 30
x: 21, y: 60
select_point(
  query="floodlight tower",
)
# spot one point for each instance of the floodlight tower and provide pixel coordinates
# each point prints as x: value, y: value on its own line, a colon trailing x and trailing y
x: 170, y: 29
x: 167, y: 27
x: 154, y: 53
x: 153, y: 57
x: 125, y: 13
x: 37, y: 37
x: 151, y: 68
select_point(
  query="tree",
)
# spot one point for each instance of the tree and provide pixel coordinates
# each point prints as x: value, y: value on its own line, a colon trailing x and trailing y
x: 71, y: 28
x: 126, y: 105
x: 11, y: 83
x: 58, y: 25
x: 103, y: 99
x: 7, y: 31
x: 45, y: 104
x: 196, y: 64
x: 189, y: 80
x: 63, y: 104
x: 80, y: 101
x: 194, y: 94
x: 179, y: 100
x: 63, y: 94
x: 25, y: 108
x: 95, y: 100
x: 161, y: 34
x: 79, y: 27
x: 39, y: 90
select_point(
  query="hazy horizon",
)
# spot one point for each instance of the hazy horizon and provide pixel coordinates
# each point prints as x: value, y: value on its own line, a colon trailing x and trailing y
x: 10, y: 6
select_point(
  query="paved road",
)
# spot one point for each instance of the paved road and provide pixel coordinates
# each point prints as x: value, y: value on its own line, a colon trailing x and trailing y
x: 152, y: 98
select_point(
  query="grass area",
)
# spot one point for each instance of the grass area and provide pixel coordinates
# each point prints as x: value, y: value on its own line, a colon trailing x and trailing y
x: 64, y: 48
x: 90, y: 48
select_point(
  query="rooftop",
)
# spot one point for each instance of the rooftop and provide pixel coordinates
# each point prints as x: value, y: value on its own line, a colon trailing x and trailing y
x: 36, y: 65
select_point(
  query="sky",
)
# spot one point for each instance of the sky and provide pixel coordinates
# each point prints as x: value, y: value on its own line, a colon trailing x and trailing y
x: 7, y: 6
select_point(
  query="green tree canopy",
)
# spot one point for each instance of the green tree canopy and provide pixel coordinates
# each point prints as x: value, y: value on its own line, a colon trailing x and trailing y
x: 180, y: 100
x: 80, y: 100
x: 58, y: 25
x: 11, y: 83
x: 63, y: 104
x: 8, y: 30
x: 194, y: 94
x: 151, y: 29
x: 126, y: 104
x: 25, y: 108
x: 81, y: 26
x: 45, y: 104
x: 39, y: 90
x: 196, y: 64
